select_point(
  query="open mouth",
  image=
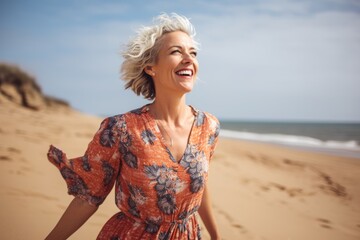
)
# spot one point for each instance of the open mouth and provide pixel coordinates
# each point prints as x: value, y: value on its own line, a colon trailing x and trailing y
x: 185, y: 73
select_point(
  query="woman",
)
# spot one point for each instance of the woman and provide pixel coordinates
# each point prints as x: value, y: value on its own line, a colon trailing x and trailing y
x: 157, y: 156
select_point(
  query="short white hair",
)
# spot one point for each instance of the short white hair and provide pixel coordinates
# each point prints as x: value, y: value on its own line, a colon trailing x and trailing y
x: 143, y: 50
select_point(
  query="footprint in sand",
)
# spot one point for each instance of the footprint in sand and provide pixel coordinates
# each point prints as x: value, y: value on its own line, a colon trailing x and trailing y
x: 251, y: 156
x: 231, y: 220
x: 293, y: 163
x: 292, y: 192
x: 235, y: 225
x: 325, y: 223
x: 13, y: 150
x: 20, y: 132
x: 5, y: 158
x: 11, y: 154
x: 332, y: 187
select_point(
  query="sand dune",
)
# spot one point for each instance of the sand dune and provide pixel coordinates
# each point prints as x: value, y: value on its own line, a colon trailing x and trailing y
x: 259, y: 191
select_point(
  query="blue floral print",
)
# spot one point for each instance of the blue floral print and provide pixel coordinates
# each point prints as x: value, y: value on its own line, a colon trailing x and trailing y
x: 200, y: 118
x: 108, y: 173
x: 125, y: 143
x: 130, y: 159
x: 137, y: 197
x: 108, y: 136
x: 170, y: 155
x: 152, y: 225
x: 184, y: 217
x: 85, y: 163
x: 167, y: 184
x: 212, y: 137
x: 148, y: 137
x: 196, y: 164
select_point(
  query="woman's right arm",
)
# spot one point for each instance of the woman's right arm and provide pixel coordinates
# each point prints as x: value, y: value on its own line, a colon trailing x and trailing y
x: 91, y: 176
x: 76, y: 214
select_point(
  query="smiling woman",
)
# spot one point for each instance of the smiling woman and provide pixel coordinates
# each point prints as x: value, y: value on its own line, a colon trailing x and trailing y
x: 175, y: 68
x: 143, y: 50
x: 157, y: 156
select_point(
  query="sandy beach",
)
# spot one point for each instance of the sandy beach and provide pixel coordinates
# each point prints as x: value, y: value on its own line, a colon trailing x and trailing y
x: 259, y: 191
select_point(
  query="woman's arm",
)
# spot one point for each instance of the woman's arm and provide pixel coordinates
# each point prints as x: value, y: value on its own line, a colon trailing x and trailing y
x: 76, y: 214
x: 207, y: 216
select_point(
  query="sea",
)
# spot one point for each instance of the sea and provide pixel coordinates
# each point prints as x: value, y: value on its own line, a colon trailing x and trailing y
x: 341, y: 139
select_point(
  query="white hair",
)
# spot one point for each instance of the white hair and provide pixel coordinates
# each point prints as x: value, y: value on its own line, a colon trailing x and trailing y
x: 143, y: 50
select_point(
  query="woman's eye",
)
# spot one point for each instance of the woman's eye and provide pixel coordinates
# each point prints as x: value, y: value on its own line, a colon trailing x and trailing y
x: 193, y: 54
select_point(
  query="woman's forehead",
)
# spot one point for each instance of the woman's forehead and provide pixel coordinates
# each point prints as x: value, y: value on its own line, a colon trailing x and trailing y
x: 177, y: 39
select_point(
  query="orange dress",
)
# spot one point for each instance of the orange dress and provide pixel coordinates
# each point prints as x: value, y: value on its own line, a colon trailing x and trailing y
x: 157, y: 195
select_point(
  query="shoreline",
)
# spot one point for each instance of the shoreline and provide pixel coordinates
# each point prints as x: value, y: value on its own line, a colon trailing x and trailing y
x: 352, y: 152
x: 326, y: 151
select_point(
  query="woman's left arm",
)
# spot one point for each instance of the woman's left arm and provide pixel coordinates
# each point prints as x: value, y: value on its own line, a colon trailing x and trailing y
x: 206, y: 214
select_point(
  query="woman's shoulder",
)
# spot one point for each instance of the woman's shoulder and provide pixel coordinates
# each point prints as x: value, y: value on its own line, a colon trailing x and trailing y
x: 122, y: 118
x: 209, y: 118
x: 212, y: 117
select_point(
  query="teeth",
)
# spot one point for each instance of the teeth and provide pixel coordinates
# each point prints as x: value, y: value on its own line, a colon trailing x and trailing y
x: 185, y: 72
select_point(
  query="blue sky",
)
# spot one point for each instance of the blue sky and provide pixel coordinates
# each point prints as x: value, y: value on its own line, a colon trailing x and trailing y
x: 259, y: 60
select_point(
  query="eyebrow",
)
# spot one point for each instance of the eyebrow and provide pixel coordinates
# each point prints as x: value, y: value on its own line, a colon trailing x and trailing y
x: 177, y: 46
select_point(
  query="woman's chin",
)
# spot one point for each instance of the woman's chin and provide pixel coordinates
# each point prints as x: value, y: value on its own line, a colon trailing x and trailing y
x: 187, y: 87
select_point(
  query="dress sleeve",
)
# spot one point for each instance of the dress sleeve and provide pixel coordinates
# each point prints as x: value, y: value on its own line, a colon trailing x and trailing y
x: 92, y: 176
x: 214, y: 134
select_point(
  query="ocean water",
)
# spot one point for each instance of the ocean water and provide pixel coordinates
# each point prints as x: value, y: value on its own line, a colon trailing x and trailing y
x: 334, y: 138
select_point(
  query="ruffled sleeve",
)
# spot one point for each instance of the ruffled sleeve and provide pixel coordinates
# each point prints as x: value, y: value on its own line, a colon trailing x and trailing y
x: 92, y: 176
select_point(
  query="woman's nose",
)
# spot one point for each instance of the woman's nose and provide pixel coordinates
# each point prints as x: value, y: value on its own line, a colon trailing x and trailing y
x: 187, y: 58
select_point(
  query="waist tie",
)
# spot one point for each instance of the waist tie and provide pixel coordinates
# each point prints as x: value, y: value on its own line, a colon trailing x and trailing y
x: 155, y: 221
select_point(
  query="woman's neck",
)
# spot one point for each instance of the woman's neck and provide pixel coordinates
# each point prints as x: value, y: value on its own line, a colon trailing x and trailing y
x: 171, y: 110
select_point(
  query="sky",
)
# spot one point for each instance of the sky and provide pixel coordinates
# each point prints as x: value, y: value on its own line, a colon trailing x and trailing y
x: 272, y: 60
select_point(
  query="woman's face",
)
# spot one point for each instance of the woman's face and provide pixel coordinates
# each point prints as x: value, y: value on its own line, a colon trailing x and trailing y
x: 176, y: 65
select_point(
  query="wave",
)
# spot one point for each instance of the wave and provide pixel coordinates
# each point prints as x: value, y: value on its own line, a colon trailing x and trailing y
x: 348, y: 148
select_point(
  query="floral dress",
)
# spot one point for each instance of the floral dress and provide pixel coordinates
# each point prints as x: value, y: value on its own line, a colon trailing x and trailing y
x: 157, y: 195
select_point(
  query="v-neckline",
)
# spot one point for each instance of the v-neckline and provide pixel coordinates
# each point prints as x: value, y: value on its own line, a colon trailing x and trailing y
x: 154, y: 126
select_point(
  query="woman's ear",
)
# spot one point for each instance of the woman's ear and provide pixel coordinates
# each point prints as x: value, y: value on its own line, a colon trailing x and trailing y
x: 149, y: 70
